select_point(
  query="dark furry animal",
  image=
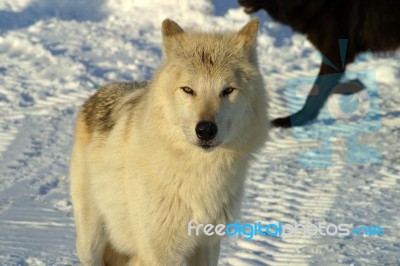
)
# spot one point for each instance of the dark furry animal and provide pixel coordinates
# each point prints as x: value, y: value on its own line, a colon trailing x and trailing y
x: 366, y: 24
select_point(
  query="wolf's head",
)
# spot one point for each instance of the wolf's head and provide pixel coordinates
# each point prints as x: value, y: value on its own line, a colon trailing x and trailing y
x: 209, y: 86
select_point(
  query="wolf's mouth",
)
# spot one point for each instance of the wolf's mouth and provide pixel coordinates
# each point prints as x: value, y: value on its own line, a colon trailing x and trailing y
x: 249, y: 6
x: 250, y: 9
x: 207, y: 145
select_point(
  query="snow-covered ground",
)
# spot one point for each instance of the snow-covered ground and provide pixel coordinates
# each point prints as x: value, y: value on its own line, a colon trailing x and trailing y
x: 54, y: 54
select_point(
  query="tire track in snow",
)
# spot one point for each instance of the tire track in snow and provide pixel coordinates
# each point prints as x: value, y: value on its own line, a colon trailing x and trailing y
x: 34, y: 195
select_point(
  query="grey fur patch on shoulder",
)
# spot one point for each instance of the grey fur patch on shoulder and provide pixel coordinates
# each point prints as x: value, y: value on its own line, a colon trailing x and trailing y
x: 100, y: 109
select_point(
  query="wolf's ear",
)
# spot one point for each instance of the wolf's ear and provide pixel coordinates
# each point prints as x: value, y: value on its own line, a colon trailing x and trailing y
x: 170, y: 28
x: 248, y: 34
x: 170, y: 31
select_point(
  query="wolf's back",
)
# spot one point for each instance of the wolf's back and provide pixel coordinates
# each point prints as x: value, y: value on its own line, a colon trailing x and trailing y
x: 100, y: 110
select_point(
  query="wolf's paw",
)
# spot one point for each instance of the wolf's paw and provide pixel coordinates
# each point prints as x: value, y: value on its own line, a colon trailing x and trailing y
x: 295, y: 120
x: 282, y: 122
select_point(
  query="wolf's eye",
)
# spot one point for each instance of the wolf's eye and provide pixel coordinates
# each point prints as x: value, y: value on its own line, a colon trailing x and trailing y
x: 188, y: 90
x: 227, y: 91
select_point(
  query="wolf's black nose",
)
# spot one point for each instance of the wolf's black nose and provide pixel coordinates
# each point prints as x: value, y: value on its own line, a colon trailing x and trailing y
x: 206, y: 130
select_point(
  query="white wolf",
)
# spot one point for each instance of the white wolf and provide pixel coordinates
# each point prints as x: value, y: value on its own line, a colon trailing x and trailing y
x: 149, y: 157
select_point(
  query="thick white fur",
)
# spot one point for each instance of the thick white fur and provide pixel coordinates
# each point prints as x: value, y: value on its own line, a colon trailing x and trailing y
x: 136, y: 187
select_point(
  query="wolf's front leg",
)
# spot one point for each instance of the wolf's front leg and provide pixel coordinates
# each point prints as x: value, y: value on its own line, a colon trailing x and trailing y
x: 205, y: 255
x: 316, y: 99
x: 90, y: 239
x: 90, y: 235
x: 90, y: 243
